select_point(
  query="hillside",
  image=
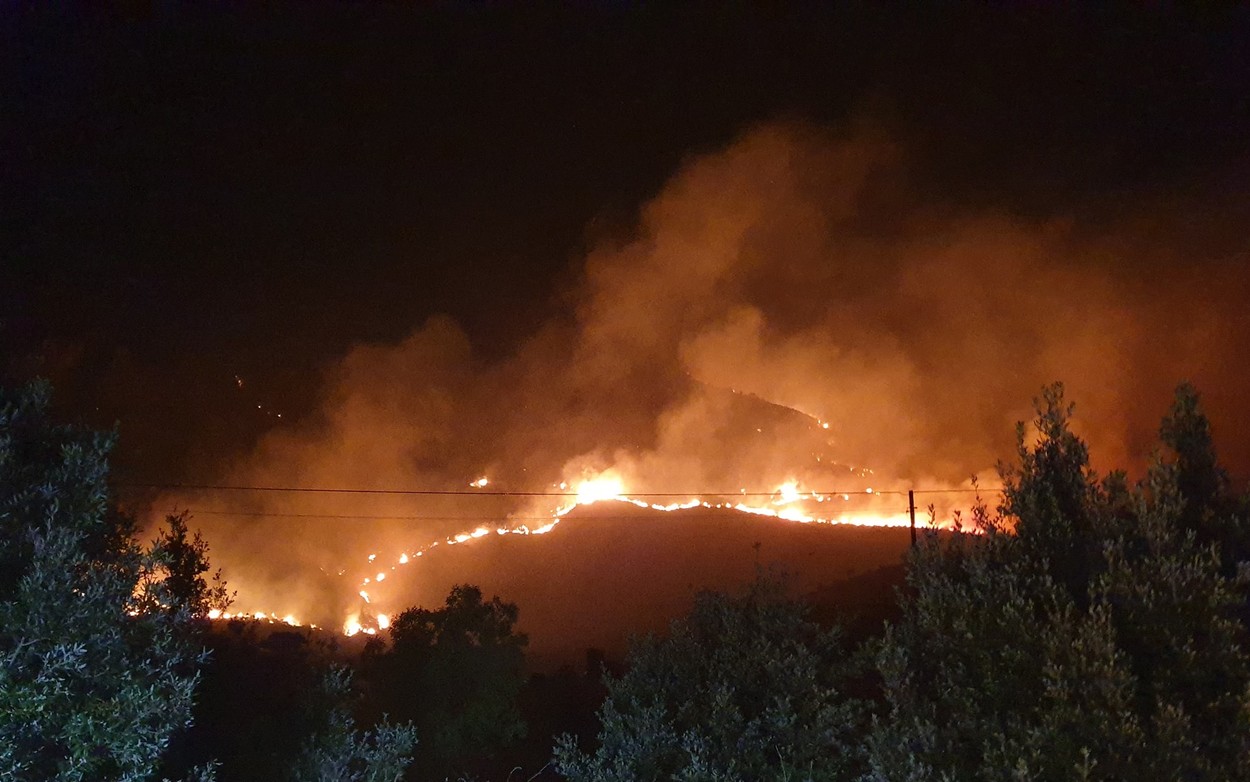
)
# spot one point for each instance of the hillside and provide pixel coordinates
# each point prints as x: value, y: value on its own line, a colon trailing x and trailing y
x: 612, y: 570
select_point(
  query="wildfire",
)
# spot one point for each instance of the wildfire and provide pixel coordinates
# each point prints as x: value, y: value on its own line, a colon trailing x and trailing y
x: 789, y: 502
x: 257, y: 616
x: 597, y: 489
x: 789, y: 492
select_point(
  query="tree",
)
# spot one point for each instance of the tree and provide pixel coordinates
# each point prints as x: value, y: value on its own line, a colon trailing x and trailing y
x: 335, y: 751
x: 1210, y: 509
x: 97, y: 670
x: 743, y: 688
x: 455, y: 672
x: 1087, y: 633
x: 180, y: 558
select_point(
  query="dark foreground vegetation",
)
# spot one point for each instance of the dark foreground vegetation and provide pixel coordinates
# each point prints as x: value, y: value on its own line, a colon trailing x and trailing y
x: 1093, y: 629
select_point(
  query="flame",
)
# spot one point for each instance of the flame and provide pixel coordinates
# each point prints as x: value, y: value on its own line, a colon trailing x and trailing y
x: 790, y: 502
x: 598, y: 489
x: 789, y: 492
x: 216, y: 614
x: 787, y: 503
x: 589, y: 491
x: 352, y: 625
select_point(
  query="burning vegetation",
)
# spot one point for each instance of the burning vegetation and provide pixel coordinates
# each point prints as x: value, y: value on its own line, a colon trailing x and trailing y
x: 783, y: 312
x: 449, y: 454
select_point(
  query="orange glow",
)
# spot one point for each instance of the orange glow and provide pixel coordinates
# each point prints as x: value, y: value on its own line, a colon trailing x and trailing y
x: 789, y: 492
x: 789, y: 502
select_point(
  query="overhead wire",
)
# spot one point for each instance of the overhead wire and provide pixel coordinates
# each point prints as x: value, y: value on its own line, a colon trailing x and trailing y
x: 468, y: 519
x: 510, y: 493
x: 483, y: 493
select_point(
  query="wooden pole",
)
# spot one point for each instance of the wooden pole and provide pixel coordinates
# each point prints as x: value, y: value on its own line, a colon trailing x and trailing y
x: 911, y: 510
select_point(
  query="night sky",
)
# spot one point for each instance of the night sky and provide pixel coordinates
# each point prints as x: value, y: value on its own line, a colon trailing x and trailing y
x: 191, y: 194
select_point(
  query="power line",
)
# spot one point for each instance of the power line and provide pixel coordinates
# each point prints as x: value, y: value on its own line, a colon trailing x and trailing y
x: 500, y: 493
x: 469, y: 519
x: 354, y: 516
x: 327, y: 490
x: 469, y: 492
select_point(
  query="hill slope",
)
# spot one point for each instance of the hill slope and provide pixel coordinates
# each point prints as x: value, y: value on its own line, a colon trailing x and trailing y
x: 612, y: 570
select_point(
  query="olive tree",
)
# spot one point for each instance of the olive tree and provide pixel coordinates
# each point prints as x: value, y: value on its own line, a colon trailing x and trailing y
x: 743, y: 688
x: 1089, y: 631
x: 97, y: 670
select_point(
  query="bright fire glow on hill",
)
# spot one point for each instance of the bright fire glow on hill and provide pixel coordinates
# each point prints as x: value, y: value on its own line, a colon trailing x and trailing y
x: 788, y: 503
x: 601, y: 488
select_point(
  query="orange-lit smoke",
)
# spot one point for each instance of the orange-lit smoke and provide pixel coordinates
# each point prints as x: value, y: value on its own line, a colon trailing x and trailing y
x: 785, y: 310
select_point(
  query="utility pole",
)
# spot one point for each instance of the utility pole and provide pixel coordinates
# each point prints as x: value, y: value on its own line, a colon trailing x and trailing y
x: 911, y: 510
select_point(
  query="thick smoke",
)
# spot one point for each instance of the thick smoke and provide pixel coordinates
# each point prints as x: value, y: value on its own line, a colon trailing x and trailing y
x: 794, y: 269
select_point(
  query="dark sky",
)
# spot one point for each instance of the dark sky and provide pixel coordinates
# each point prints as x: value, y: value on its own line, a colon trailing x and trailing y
x: 194, y: 192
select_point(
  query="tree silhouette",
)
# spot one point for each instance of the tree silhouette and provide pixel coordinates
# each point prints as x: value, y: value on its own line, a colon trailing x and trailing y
x: 744, y: 688
x: 336, y: 751
x: 1086, y: 634
x: 455, y: 672
x: 97, y: 668
x: 181, y: 559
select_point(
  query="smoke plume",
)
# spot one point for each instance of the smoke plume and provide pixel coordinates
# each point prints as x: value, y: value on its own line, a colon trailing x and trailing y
x: 786, y: 308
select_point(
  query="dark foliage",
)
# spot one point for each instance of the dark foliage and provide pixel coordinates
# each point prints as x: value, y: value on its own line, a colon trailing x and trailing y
x: 1090, y: 632
x: 744, y: 688
x: 97, y: 661
x: 456, y: 673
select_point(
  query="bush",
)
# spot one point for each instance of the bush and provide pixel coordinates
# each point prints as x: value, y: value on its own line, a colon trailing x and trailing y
x: 1088, y: 633
x: 744, y: 688
x: 97, y: 667
x: 456, y: 672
